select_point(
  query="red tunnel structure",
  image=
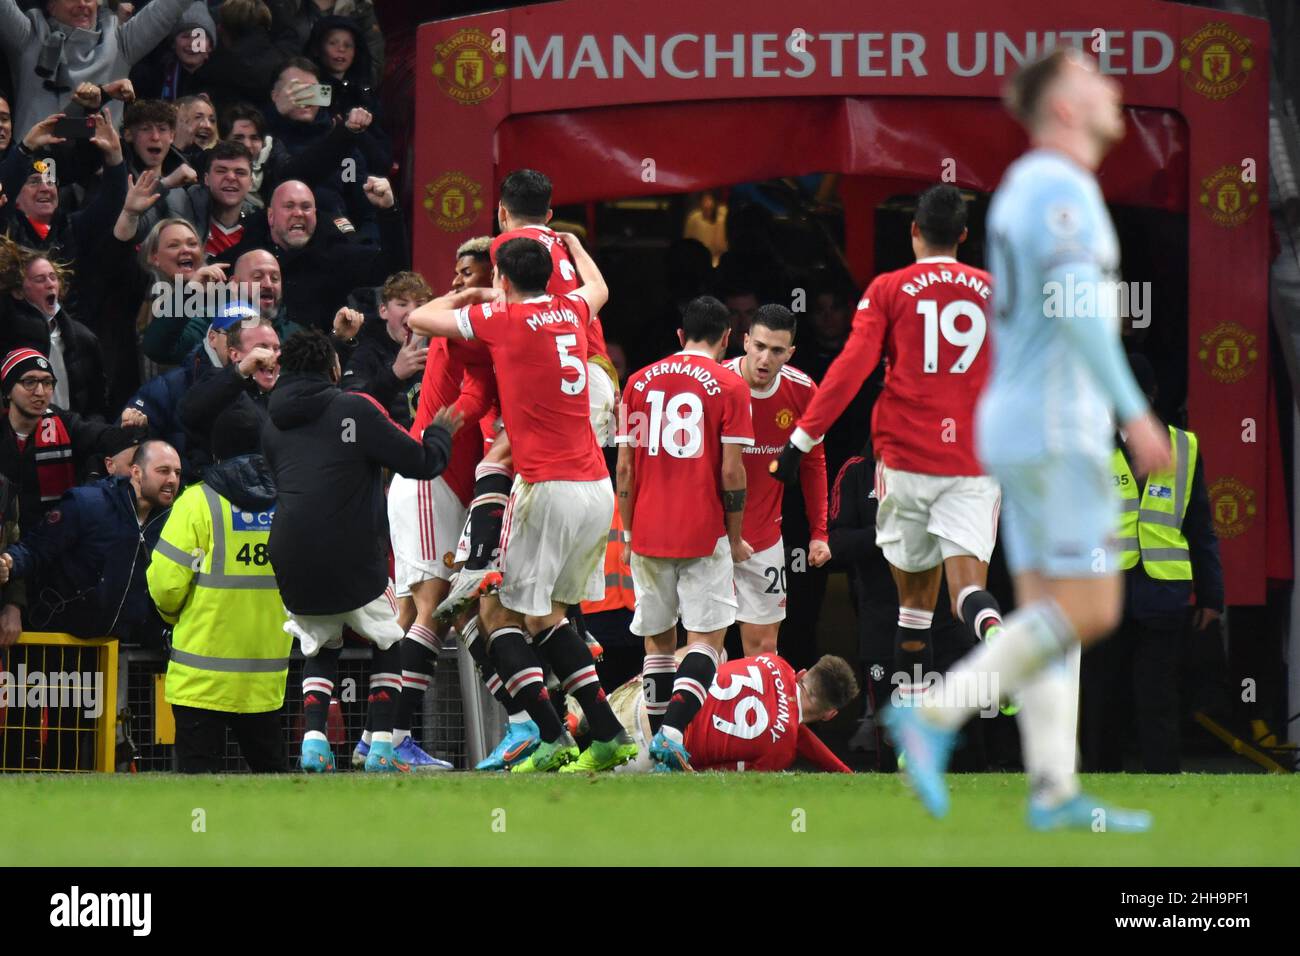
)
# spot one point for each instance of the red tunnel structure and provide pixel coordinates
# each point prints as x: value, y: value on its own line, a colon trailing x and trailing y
x: 629, y: 100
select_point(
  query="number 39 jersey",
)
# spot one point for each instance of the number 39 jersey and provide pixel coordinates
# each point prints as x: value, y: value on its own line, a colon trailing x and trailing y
x: 538, y: 348
x: 931, y: 323
x: 750, y: 718
x: 677, y: 413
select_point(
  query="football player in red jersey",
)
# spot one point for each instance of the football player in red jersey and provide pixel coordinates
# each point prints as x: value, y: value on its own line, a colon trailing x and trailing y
x: 523, y: 212
x: 681, y: 489
x: 561, y: 506
x: 755, y: 717
x: 778, y: 394
x: 937, y: 510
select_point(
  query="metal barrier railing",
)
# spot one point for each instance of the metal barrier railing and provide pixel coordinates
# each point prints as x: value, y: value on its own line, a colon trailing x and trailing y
x: 58, y: 704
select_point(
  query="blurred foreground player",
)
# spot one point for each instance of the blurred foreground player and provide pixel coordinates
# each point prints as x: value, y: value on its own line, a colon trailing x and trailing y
x: 329, y: 542
x: 1044, y: 431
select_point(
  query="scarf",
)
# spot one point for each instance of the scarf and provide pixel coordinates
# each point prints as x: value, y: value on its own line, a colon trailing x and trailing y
x: 55, y: 472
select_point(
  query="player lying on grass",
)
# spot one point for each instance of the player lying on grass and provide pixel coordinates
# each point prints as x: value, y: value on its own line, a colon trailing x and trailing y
x: 754, y: 717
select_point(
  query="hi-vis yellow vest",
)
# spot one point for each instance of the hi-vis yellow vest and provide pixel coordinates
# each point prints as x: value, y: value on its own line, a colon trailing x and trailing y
x: 211, y: 577
x: 618, y: 576
x: 1152, y: 527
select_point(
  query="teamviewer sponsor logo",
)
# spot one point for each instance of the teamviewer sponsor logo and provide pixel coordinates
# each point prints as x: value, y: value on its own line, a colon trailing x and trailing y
x: 64, y: 689
x: 76, y: 909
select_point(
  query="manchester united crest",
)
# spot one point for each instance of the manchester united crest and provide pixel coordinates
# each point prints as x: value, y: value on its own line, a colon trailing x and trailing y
x: 784, y: 418
x: 1216, y: 61
x: 1228, y: 352
x: 453, y: 201
x: 468, y: 67
x: 1233, y: 505
x: 1227, y: 198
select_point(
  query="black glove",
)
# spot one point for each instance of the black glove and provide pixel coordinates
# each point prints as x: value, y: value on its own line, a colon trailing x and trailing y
x: 786, y: 468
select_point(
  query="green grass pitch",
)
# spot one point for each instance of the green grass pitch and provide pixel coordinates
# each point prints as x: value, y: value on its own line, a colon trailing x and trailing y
x: 720, y: 819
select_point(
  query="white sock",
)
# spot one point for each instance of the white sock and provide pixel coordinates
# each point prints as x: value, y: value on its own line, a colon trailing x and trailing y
x: 315, y: 735
x: 1031, y: 638
x: 400, y: 735
x: 673, y: 734
x: 365, y: 737
x: 520, y: 718
x: 1049, y: 726
x: 381, y: 737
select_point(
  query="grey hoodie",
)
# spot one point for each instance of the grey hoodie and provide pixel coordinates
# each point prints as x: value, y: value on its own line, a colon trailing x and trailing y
x: 96, y: 56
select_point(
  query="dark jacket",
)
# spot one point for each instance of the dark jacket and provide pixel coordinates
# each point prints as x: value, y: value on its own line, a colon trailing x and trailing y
x: 327, y: 449
x: 88, y: 438
x: 240, y: 69
x: 15, y: 592
x: 1145, y: 598
x: 26, y: 326
x: 246, y: 482
x: 160, y: 400
x: 370, y: 370
x: 211, y: 393
x: 291, y: 23
x: 86, y: 564
x: 318, y: 277
x: 355, y: 89
x: 325, y: 154
x: 73, y: 236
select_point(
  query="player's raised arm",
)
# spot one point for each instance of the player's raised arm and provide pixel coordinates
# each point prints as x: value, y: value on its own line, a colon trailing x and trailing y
x: 856, y: 361
x: 437, y: 318
x: 593, y: 287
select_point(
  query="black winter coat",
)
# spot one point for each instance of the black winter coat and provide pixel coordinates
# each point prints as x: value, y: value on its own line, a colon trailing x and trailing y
x: 26, y: 327
x: 327, y: 450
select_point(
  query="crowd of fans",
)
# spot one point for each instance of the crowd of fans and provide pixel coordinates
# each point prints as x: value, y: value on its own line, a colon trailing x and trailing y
x: 183, y: 185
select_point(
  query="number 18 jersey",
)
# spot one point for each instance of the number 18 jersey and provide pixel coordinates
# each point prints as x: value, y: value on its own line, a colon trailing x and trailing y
x: 677, y: 413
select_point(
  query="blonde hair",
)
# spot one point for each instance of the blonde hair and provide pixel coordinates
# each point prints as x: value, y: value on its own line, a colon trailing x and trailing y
x: 149, y: 248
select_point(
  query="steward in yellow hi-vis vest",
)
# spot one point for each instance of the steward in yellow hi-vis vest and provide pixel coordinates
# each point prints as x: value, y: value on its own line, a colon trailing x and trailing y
x: 1173, y: 597
x: 1151, y: 522
x: 211, y: 578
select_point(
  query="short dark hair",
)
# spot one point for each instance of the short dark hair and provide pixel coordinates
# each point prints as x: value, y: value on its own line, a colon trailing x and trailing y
x: 478, y: 248
x: 832, y: 681
x: 149, y: 111
x: 308, y: 351
x: 941, y: 215
x: 705, y: 319
x: 526, y: 193
x: 1024, y: 92
x: 775, y: 317
x: 144, y: 451
x: 526, y: 263
x: 242, y: 111
x: 230, y: 149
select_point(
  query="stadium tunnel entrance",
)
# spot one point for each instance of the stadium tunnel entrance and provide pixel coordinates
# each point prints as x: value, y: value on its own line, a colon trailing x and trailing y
x: 610, y: 110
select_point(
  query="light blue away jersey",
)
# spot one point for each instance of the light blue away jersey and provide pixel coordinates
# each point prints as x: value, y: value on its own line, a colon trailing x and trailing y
x: 1058, y: 364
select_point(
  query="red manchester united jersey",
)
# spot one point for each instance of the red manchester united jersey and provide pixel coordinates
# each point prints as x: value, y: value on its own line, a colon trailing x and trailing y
x: 677, y: 414
x: 774, y: 410
x: 564, y: 274
x: 537, y: 347
x: 930, y: 321
x: 445, y: 383
x: 750, y: 718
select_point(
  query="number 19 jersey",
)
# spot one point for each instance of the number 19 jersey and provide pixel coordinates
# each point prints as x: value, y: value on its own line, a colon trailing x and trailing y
x: 677, y: 413
x: 930, y: 320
